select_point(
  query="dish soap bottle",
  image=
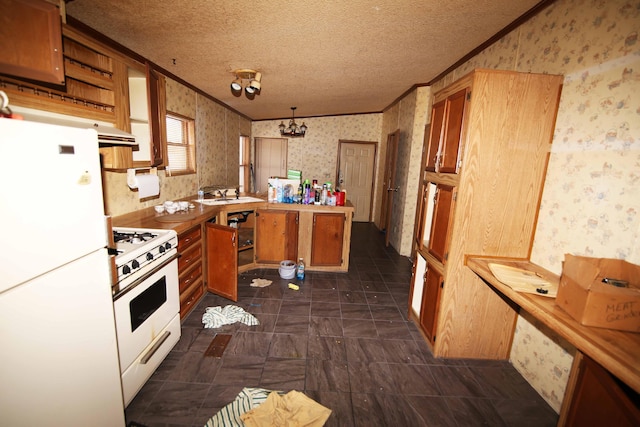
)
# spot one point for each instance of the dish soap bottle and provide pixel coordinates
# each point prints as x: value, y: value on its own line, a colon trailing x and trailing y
x: 300, y: 270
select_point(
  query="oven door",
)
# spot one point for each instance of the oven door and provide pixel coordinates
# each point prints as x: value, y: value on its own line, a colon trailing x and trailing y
x: 144, y: 311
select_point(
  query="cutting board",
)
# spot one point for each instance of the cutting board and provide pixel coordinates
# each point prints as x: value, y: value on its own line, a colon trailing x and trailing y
x: 523, y: 280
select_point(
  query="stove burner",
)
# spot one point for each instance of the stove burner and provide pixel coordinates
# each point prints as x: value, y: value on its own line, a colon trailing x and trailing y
x: 133, y: 238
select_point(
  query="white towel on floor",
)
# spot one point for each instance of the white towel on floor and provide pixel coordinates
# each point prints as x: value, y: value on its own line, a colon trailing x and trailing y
x: 214, y: 317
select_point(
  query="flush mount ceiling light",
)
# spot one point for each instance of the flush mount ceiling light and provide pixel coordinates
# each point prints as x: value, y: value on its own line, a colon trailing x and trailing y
x: 293, y: 130
x: 253, y: 78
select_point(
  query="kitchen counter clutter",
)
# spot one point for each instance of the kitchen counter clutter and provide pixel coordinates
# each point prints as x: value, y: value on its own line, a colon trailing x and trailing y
x: 219, y: 239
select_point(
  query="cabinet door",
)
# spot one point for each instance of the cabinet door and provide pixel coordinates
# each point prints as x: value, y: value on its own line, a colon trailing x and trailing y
x: 441, y: 223
x: 600, y: 399
x: 435, y: 135
x: 222, y: 261
x: 157, y: 116
x: 433, y: 282
x: 327, y: 238
x: 276, y: 236
x: 33, y: 41
x: 451, y: 142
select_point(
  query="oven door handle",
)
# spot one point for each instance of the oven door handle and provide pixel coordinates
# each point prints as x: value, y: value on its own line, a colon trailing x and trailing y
x: 155, y: 347
x: 143, y: 278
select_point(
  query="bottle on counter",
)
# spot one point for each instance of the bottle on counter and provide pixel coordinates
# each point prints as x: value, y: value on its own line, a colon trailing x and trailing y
x: 300, y: 269
x: 300, y: 193
x: 307, y: 191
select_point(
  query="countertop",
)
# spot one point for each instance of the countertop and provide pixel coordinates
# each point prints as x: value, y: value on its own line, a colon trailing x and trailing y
x: 617, y: 351
x: 183, y: 221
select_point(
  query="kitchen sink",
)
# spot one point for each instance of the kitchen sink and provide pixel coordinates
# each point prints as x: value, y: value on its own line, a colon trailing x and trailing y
x: 229, y: 201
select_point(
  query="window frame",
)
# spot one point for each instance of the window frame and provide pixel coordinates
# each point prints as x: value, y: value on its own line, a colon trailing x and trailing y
x: 244, y: 171
x: 188, y: 125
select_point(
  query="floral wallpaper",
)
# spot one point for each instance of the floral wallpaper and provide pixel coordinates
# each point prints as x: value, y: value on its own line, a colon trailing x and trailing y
x: 316, y: 155
x: 591, y: 200
x: 217, y: 150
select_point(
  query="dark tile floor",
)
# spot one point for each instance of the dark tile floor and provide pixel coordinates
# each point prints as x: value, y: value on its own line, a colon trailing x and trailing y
x: 343, y: 339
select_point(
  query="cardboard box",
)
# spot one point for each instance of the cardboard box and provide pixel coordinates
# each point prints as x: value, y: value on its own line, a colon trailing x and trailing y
x: 591, y: 302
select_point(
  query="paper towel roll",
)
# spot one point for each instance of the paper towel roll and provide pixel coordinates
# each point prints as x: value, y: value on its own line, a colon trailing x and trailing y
x: 148, y: 185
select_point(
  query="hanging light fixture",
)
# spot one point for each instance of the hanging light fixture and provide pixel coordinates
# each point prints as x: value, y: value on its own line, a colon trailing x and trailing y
x: 293, y: 130
x: 254, y: 82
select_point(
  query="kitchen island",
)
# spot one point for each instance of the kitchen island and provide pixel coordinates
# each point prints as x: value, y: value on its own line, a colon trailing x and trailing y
x: 218, y: 241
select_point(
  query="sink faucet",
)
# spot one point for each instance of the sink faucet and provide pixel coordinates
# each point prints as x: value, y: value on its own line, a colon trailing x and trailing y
x: 223, y: 194
x: 237, y: 193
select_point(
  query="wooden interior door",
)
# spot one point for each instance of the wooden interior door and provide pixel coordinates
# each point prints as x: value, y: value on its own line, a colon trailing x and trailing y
x: 389, y: 184
x: 271, y: 160
x: 355, y: 174
x: 222, y: 261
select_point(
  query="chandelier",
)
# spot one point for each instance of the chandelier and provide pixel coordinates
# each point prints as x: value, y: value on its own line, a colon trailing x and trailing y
x: 253, y: 86
x: 293, y: 130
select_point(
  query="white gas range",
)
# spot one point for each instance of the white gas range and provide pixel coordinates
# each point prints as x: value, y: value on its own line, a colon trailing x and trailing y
x: 146, y: 302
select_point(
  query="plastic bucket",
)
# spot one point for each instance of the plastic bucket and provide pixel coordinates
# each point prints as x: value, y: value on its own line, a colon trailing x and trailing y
x: 287, y: 269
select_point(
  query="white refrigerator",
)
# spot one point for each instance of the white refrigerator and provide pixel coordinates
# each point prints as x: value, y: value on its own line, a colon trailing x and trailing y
x: 58, y: 350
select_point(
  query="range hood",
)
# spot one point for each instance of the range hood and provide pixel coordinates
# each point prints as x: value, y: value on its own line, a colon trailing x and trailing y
x: 107, y: 135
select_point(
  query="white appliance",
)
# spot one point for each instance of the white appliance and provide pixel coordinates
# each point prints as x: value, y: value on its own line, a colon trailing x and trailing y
x: 59, y: 359
x: 146, y: 302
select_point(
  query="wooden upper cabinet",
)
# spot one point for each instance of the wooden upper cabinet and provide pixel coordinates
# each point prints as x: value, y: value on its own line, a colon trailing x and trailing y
x: 445, y: 139
x: 31, y: 40
x: 276, y: 236
x: 451, y: 142
x: 327, y: 239
x: 435, y: 135
x: 157, y: 116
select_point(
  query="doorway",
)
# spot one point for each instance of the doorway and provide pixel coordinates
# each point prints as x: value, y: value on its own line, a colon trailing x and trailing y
x: 271, y: 160
x: 389, y: 184
x: 356, y: 161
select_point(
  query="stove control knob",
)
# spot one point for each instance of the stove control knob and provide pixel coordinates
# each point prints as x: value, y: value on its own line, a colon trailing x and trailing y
x: 149, y: 256
x: 135, y: 264
x: 167, y: 245
x: 161, y: 249
x: 126, y: 269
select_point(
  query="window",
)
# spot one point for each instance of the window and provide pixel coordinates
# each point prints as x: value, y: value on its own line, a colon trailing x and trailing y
x: 245, y: 165
x: 180, y: 145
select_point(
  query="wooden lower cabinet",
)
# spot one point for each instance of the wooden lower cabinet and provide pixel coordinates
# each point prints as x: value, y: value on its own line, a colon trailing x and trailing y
x: 327, y: 239
x: 191, y: 285
x: 432, y: 284
x: 276, y: 236
x: 600, y: 399
x: 222, y: 260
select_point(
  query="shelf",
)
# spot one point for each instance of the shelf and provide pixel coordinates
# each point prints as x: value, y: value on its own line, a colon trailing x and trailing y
x: 616, y: 351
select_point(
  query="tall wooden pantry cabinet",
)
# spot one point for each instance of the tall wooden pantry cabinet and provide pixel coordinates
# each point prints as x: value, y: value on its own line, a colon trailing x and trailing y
x: 487, y: 152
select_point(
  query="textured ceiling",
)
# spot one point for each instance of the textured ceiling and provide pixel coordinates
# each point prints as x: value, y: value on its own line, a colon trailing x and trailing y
x: 325, y: 57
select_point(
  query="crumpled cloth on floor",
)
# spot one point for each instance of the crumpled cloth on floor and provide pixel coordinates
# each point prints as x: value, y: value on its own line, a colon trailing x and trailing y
x: 260, y: 283
x: 247, y: 399
x: 214, y: 317
x: 294, y: 409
